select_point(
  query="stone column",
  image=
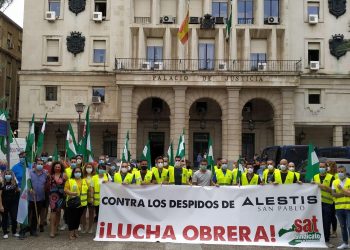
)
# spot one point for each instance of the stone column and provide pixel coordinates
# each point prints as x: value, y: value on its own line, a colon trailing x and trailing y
x: 221, y: 45
x: 167, y: 49
x: 337, y: 136
x: 234, y: 14
x: 234, y: 126
x: 259, y: 13
x: 233, y: 44
x: 278, y: 129
x: 247, y: 44
x: 194, y: 48
x: 126, y: 94
x: 142, y: 44
x: 178, y: 122
x: 207, y: 7
x: 155, y: 12
x: 288, y: 129
x: 273, y: 45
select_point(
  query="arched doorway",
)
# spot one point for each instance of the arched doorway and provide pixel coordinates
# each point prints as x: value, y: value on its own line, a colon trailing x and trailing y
x: 257, y: 127
x: 153, y: 123
x: 204, y: 122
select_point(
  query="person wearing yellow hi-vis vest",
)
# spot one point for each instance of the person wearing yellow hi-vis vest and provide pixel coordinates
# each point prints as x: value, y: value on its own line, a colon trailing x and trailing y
x: 250, y: 178
x: 88, y: 174
x: 189, y: 171
x: 223, y: 176
x: 291, y: 168
x: 143, y: 176
x: 341, y: 192
x: 180, y: 175
x: 160, y: 174
x: 123, y: 176
x: 76, y: 190
x: 284, y: 176
x: 325, y: 181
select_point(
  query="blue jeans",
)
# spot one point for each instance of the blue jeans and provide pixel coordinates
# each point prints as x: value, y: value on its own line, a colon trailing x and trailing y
x: 344, y: 221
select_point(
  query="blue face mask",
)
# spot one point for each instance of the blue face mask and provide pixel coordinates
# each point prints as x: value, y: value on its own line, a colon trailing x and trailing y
x: 44, y: 159
x: 102, y: 162
x: 8, y: 177
x: 77, y: 175
x: 322, y: 170
x: 112, y: 168
x: 22, y: 160
x: 39, y: 167
x: 73, y: 165
x: 341, y: 176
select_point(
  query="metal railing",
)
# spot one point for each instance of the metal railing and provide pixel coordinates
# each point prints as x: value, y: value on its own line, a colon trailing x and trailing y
x: 142, y: 20
x: 276, y: 66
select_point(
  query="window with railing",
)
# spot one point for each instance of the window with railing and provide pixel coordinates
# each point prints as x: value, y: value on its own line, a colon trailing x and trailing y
x: 245, y: 12
x: 142, y: 11
x: 206, y: 56
x: 271, y: 11
x: 258, y: 61
x: 219, y: 9
x: 154, y: 54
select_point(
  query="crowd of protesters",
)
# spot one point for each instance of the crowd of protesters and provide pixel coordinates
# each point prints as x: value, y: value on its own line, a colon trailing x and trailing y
x: 68, y: 192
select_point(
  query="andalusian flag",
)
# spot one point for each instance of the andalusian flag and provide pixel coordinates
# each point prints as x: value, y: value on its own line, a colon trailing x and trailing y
x: 210, y: 156
x: 22, y: 214
x: 182, y: 33
x: 71, y: 145
x: 146, y: 155
x: 313, y: 164
x: 86, y: 147
x: 30, y: 140
x: 55, y: 156
x: 126, y: 153
x: 39, y: 149
x: 170, y: 154
x: 240, y: 169
x: 181, y: 147
x: 229, y: 24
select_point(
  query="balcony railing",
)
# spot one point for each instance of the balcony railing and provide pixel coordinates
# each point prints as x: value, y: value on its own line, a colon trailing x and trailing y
x: 271, y: 66
x: 142, y: 20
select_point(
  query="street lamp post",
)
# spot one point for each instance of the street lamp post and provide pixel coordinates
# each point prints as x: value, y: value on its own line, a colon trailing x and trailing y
x: 79, y: 107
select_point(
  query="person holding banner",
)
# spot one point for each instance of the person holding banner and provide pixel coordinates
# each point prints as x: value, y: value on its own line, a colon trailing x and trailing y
x: 324, y: 182
x: 76, y: 190
x: 261, y: 170
x: 284, y: 176
x: 180, y: 175
x: 250, y: 178
x: 202, y: 177
x: 123, y: 176
x: 291, y: 168
x: 341, y: 193
x: 144, y: 176
x: 223, y: 176
x: 160, y: 174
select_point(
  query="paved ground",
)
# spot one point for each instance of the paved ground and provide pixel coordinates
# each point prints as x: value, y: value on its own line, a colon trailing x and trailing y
x: 43, y: 241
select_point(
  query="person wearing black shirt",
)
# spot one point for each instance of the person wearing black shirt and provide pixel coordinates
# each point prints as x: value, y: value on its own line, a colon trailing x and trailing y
x: 9, y: 203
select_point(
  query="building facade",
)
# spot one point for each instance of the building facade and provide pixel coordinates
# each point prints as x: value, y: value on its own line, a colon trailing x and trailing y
x: 10, y: 64
x: 279, y: 75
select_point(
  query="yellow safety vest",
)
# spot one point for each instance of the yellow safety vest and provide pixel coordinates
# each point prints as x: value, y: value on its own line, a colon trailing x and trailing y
x: 147, y: 179
x: 289, y: 178
x: 266, y: 173
x: 96, y: 182
x: 128, y: 178
x: 189, y: 173
x: 234, y: 176
x: 183, y: 176
x: 297, y: 174
x: 341, y: 202
x: 68, y: 172
x: 170, y: 170
x: 134, y: 170
x: 82, y: 193
x: 325, y: 196
x: 253, y: 181
x: 160, y: 178
x: 224, y: 179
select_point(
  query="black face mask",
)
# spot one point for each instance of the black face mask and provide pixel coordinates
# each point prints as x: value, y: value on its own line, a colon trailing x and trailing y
x: 144, y: 167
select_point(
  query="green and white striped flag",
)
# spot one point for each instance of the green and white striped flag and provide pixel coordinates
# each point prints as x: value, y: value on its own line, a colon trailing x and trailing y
x: 126, y: 152
x: 146, y: 155
x: 210, y: 156
x: 240, y: 169
x: 170, y: 154
x: 71, y: 145
x: 313, y: 164
x: 30, y: 140
x: 229, y: 24
x: 86, y: 141
x: 40, y: 145
x: 22, y: 214
x: 181, y: 147
x: 55, y: 156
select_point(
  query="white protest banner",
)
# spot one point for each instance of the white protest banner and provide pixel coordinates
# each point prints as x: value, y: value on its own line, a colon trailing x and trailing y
x: 18, y: 145
x: 283, y: 215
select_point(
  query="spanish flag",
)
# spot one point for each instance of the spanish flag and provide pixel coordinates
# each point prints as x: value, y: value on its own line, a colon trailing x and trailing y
x: 182, y: 34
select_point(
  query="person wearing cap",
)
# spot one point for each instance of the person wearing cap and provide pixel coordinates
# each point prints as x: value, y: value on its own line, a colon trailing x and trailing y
x: 249, y: 177
x: 123, y: 176
x: 223, y: 176
x: 291, y: 168
x: 144, y: 175
x: 284, y: 176
x: 71, y: 166
x: 160, y: 174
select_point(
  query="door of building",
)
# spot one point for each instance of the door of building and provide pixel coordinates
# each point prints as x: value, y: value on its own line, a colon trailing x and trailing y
x: 248, y: 145
x: 200, y: 146
x: 156, y: 144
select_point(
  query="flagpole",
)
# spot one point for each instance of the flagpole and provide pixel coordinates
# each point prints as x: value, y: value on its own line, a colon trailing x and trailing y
x: 8, y: 144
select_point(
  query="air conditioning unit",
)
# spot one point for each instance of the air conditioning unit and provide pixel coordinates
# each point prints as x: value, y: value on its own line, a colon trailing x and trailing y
x: 158, y: 66
x: 146, y: 66
x: 222, y: 66
x: 219, y: 20
x: 313, y: 19
x: 314, y: 65
x: 97, y: 17
x: 96, y: 99
x: 194, y: 20
x: 272, y: 20
x: 50, y: 16
x: 167, y: 19
x: 262, y: 66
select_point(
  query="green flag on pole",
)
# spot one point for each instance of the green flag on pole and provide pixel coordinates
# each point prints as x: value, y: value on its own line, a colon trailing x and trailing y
x: 146, y: 155
x: 71, y: 145
x: 240, y: 169
x: 126, y: 153
x: 181, y: 147
x: 170, y: 154
x: 40, y: 145
x: 313, y: 164
x: 86, y: 141
x: 55, y: 156
x: 30, y: 140
x: 210, y: 156
x: 229, y: 24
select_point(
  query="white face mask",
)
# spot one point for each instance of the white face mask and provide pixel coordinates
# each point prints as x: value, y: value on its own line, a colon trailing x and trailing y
x: 250, y: 170
x: 79, y: 161
x: 124, y: 170
x: 270, y: 167
x: 165, y: 164
x: 160, y: 165
x: 283, y: 167
x: 89, y: 170
x: 291, y: 169
x: 177, y: 164
x: 224, y: 166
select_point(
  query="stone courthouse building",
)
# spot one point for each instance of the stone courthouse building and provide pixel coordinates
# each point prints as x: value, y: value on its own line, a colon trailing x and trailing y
x: 280, y: 75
